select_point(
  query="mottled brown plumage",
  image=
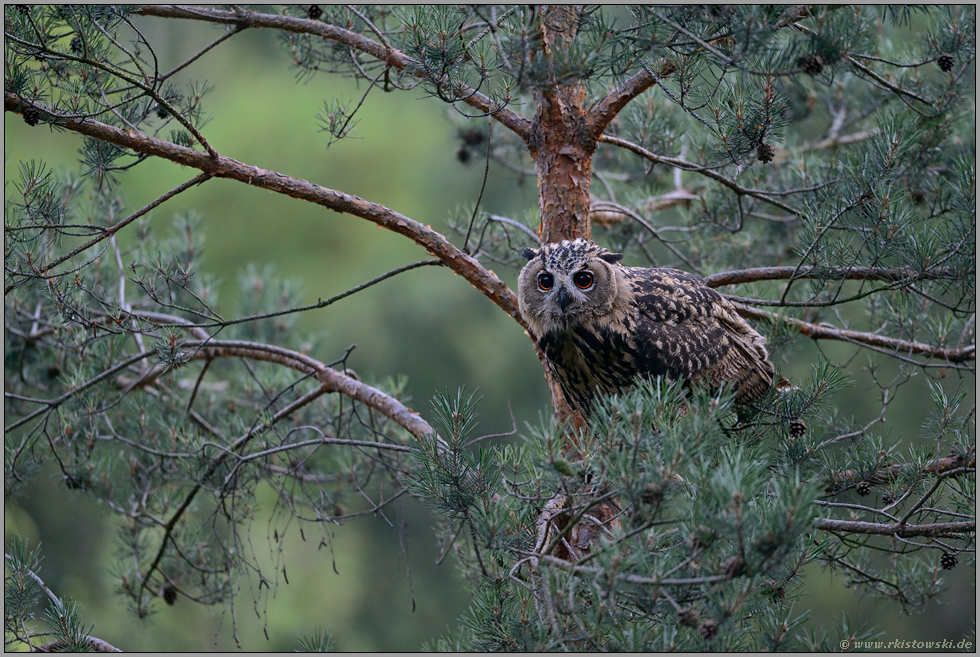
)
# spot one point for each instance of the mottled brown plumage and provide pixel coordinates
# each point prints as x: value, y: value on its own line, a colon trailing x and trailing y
x: 601, y: 324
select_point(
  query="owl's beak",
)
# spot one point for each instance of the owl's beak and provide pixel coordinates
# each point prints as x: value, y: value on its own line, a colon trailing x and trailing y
x: 564, y: 298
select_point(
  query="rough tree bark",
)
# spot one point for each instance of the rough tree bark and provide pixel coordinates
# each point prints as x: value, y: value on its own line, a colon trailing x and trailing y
x: 559, y: 142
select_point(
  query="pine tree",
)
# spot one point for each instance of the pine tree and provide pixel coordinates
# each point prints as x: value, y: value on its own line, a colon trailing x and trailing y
x: 814, y: 163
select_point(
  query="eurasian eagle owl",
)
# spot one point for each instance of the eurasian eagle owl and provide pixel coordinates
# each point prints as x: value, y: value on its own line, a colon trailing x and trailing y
x: 601, y: 324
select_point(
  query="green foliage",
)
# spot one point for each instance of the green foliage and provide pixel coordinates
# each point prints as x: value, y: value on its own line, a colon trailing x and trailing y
x: 22, y: 592
x: 322, y: 642
x: 450, y: 476
x: 707, y: 529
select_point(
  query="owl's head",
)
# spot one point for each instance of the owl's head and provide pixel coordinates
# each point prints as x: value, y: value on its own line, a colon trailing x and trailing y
x: 568, y: 282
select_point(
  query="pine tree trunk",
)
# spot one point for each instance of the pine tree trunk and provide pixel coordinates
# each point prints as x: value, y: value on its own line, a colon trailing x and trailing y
x: 560, y: 144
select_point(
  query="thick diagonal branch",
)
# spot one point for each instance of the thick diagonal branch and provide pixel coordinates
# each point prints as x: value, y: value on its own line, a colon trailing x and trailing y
x: 226, y: 167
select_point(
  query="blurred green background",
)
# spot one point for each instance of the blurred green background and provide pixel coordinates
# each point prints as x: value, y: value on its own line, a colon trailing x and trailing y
x: 374, y: 582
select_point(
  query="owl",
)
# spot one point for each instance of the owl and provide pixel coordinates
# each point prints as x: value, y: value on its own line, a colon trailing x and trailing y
x: 601, y: 324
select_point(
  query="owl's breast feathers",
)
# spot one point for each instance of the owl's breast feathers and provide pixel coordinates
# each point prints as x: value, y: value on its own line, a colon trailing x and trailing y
x: 674, y: 325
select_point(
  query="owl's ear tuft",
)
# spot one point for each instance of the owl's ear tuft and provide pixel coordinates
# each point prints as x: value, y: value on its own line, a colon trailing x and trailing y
x: 529, y: 253
x: 611, y: 258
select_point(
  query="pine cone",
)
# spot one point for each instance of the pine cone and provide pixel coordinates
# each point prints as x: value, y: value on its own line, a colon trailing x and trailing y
x: 797, y: 427
x: 76, y: 44
x: 946, y: 62
x: 776, y: 591
x: 31, y: 116
x: 472, y: 137
x: 811, y: 64
x: 765, y: 152
x: 314, y: 12
x: 948, y: 561
x: 733, y: 567
x: 863, y: 488
x: 708, y: 629
x: 463, y: 154
x: 169, y: 593
x: 652, y: 493
x: 688, y: 616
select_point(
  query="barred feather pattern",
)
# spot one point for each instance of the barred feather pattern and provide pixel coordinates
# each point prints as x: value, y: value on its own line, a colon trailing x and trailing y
x: 634, y: 321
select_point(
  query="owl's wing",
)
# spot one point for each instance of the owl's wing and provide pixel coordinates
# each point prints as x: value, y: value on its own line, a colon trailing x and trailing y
x: 686, y: 329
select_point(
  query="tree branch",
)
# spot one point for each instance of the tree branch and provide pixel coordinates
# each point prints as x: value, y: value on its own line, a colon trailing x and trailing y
x: 883, y: 82
x: 331, y: 379
x: 388, y: 55
x: 708, y: 173
x: 886, y: 529
x: 872, y: 340
x: 944, y: 467
x: 606, y: 110
x: 226, y: 167
x: 754, y: 274
x: 96, y: 645
x: 109, y: 231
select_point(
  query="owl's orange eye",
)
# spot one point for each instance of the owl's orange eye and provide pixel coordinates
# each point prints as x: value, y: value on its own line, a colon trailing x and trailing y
x: 584, y: 279
x: 546, y: 281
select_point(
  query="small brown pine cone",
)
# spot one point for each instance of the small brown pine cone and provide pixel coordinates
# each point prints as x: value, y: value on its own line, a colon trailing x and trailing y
x: 472, y: 136
x: 811, y: 64
x: 652, y: 493
x: 169, y: 594
x: 708, y: 629
x: 765, y: 153
x: 688, y: 616
x: 733, y: 567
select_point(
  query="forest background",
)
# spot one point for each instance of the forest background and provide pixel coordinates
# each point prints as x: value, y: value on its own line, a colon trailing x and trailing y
x: 373, y: 582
